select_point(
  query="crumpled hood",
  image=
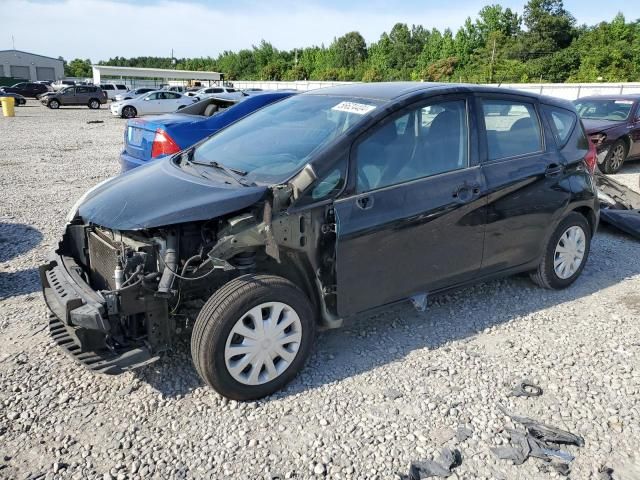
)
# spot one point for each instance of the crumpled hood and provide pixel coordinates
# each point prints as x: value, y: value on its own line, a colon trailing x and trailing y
x: 595, y: 126
x: 160, y: 194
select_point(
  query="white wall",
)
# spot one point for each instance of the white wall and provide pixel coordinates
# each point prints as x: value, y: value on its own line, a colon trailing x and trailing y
x: 568, y: 91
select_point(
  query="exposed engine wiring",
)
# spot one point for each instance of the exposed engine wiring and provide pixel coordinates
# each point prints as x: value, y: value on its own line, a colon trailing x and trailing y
x: 177, y: 275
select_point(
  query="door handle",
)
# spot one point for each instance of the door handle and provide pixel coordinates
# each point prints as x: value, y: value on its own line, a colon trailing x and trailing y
x: 364, y: 203
x: 554, y: 169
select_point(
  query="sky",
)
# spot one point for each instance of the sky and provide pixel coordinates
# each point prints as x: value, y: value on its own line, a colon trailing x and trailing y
x: 101, y: 29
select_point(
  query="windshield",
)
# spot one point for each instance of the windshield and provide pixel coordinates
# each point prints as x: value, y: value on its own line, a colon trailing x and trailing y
x: 605, y: 109
x: 274, y: 142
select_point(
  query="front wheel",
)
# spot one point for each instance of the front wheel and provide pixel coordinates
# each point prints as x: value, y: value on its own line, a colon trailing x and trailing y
x: 615, y: 158
x: 129, y: 112
x: 565, y: 254
x: 55, y: 104
x: 253, y: 336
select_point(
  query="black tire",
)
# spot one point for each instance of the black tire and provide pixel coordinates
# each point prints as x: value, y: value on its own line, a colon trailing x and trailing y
x: 129, y: 112
x: 94, y: 104
x: 545, y: 275
x: 615, y: 158
x: 53, y: 104
x: 221, y: 313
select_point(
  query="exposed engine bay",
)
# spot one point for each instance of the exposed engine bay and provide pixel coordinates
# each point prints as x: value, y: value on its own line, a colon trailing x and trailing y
x: 140, y: 280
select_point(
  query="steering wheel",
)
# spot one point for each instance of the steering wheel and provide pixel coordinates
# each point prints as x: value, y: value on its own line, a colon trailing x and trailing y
x: 619, y: 113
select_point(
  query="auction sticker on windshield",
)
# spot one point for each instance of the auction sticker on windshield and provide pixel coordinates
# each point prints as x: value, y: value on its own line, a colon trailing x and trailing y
x: 352, y: 107
x: 623, y: 102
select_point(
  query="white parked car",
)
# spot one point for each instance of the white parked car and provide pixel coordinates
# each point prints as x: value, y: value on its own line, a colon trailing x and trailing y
x: 60, y: 84
x: 152, y: 103
x: 217, y: 91
x: 113, y: 89
x: 128, y: 95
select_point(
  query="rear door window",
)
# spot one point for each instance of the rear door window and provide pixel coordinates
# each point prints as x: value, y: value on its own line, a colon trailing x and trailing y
x: 562, y: 124
x: 512, y: 128
x: 107, y: 87
x: 121, y: 87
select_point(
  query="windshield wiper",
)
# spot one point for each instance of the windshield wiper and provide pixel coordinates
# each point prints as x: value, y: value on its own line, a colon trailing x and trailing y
x: 234, y: 173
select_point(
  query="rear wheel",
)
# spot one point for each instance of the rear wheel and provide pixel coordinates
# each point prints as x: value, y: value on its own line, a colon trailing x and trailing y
x: 616, y: 157
x: 129, y: 112
x: 55, y: 104
x: 94, y: 104
x: 566, y: 253
x: 253, y: 336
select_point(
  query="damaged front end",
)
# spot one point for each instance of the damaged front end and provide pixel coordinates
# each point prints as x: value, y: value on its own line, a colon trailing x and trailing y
x: 619, y: 205
x: 102, y: 289
x: 115, y: 295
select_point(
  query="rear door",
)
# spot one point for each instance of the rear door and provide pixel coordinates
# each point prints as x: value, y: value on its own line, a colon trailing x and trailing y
x: 169, y: 102
x: 415, y: 222
x: 526, y: 180
x: 82, y: 95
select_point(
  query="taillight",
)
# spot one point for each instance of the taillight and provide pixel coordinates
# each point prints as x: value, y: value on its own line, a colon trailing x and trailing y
x: 591, y: 158
x: 163, y: 144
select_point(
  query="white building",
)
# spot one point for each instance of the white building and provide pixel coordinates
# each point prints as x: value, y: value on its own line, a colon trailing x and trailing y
x: 30, y: 66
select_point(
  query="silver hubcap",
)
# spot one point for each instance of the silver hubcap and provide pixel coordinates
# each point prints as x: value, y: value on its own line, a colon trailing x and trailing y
x: 263, y: 343
x: 569, y: 252
x: 617, y: 157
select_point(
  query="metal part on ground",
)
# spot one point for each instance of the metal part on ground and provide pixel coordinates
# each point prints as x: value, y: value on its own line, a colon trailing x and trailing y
x: 443, y: 468
x: 524, y: 388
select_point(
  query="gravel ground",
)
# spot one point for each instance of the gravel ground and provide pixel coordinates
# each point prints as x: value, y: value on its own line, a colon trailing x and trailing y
x: 385, y: 390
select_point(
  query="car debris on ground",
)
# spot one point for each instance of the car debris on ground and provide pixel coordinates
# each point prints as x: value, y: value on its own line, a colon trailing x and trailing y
x: 442, y: 468
x: 619, y: 205
x: 539, y: 441
x: 526, y: 389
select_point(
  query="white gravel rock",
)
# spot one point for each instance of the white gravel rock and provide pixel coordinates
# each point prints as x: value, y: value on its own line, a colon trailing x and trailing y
x: 387, y: 389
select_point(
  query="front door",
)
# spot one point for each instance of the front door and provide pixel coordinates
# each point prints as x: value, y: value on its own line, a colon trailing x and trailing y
x: 525, y: 177
x: 68, y: 96
x: 152, y: 103
x: 415, y: 223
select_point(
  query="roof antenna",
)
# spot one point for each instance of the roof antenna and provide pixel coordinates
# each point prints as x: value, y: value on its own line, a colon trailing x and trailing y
x: 13, y: 42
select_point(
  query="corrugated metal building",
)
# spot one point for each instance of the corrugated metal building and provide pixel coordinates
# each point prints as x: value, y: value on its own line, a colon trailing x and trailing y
x: 30, y: 66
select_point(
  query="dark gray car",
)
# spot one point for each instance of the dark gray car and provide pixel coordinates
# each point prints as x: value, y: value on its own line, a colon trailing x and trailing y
x: 88, y: 95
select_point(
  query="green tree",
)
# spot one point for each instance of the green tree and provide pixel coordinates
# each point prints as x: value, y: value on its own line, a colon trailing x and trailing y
x: 78, y: 68
x: 349, y: 51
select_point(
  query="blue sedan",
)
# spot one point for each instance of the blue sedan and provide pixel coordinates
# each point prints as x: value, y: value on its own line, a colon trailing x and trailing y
x: 152, y: 138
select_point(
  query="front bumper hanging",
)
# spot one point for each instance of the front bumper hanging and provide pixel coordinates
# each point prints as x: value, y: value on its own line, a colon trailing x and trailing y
x: 79, y: 322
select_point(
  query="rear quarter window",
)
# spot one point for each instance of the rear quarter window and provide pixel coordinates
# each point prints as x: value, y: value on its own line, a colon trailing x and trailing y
x: 562, y: 124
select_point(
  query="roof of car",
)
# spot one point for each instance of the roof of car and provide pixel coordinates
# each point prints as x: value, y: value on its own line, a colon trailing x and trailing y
x: 392, y: 90
x: 628, y: 96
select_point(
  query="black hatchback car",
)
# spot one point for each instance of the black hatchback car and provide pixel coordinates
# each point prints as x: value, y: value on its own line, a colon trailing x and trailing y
x: 316, y: 208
